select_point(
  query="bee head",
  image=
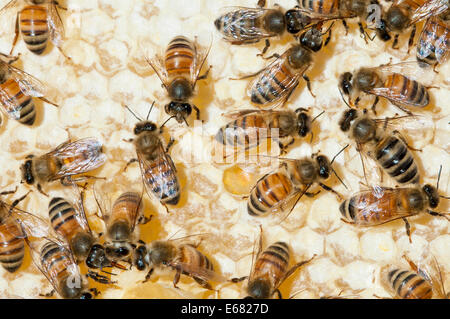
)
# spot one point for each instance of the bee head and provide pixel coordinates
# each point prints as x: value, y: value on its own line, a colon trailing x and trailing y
x: 345, y: 82
x: 382, y: 30
x: 312, y: 39
x: 118, y: 250
x: 396, y: 18
x: 274, y: 22
x: 296, y: 21
x: 180, y: 89
x: 97, y: 257
x: 299, y: 57
x: 304, y: 124
x: 347, y: 119
x: 180, y: 110
x: 161, y: 252
x: 259, y: 289
x: 144, y: 126
x: 324, y: 166
x: 139, y: 258
x: 432, y: 195
x: 27, y: 171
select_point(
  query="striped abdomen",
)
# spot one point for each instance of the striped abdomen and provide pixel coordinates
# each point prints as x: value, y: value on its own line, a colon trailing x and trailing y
x: 12, y: 247
x: 268, y: 192
x: 272, y: 263
x: 125, y: 208
x: 179, y: 57
x: 63, y: 218
x: 246, y: 131
x: 325, y: 7
x: 56, y: 261
x: 162, y: 180
x: 434, y: 41
x: 409, y: 285
x: 189, y: 255
x: 240, y: 25
x: 34, y: 28
x: 271, y: 85
x: 412, y: 92
x: 396, y: 159
x: 18, y: 105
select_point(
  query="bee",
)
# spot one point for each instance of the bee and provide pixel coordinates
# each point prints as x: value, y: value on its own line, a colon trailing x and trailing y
x: 17, y: 89
x: 37, y: 22
x: 15, y: 226
x: 250, y: 127
x: 58, y: 265
x: 394, y: 82
x: 179, y: 73
x: 68, y: 159
x: 294, y: 177
x: 157, y: 168
x: 405, y: 14
x: 269, y: 270
x: 121, y: 220
x: 387, y: 149
x: 414, y: 283
x: 182, y: 257
x: 433, y: 46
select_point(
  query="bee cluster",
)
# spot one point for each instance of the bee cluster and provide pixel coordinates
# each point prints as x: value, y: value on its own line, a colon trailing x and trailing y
x: 346, y: 198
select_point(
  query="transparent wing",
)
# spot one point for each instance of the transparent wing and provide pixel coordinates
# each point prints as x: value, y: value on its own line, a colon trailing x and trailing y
x: 372, y: 174
x: 8, y: 15
x: 410, y: 123
x: 248, y: 32
x: 260, y: 83
x: 103, y: 202
x: 78, y: 204
x: 29, y: 85
x: 55, y: 25
x: 317, y: 17
x: 200, y: 58
x: 428, y: 9
x: 199, y: 272
x: 78, y: 157
x: 435, y: 38
x: 9, y: 108
x: 157, y: 64
x: 416, y: 70
x: 240, y: 113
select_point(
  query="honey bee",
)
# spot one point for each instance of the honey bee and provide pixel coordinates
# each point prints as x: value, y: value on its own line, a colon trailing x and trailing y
x: 387, y: 149
x: 269, y: 270
x: 157, y: 168
x: 37, y: 22
x: 182, y: 257
x: 414, y: 283
x: 405, y: 14
x: 121, y: 220
x: 57, y: 264
x: 68, y: 159
x: 17, y: 89
x: 394, y: 82
x: 434, y: 42
x: 15, y: 226
x: 179, y: 73
x: 294, y: 177
x: 250, y: 127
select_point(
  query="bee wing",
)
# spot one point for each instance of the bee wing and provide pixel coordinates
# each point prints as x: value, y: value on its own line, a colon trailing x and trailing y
x: 407, y: 122
x: 240, y: 113
x: 249, y: 33
x: 200, y: 58
x: 103, y: 202
x: 371, y: 170
x: 11, y: 8
x: 320, y: 17
x: 29, y: 85
x: 416, y: 70
x: 199, y: 272
x: 78, y: 157
x: 78, y: 204
x: 288, y: 83
x: 428, y: 43
x: 55, y: 25
x: 428, y: 9
x: 157, y: 64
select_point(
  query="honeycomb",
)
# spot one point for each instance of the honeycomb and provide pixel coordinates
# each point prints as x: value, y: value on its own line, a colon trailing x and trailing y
x: 108, y: 41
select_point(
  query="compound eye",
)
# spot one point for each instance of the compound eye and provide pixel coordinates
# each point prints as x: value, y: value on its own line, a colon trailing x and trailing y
x: 123, y: 251
x: 86, y: 295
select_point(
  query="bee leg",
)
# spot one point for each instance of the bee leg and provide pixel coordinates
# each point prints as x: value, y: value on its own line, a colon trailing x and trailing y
x: 205, y: 75
x: 203, y: 283
x: 39, y: 188
x: 327, y: 40
x: 176, y: 279
x: 411, y: 37
x: 283, y: 147
x: 236, y: 280
x: 144, y: 220
x: 433, y: 213
x: 17, y: 201
x: 344, y: 23
x: 47, y: 101
x: 363, y: 33
x: 278, y: 292
x: 264, y: 50
x: 308, y: 84
x: 377, y: 99
x: 394, y: 44
x: 59, y: 5
x: 131, y: 161
x: 357, y: 101
x: 169, y: 145
x: 16, y: 35
x: 197, y: 111
x: 328, y: 188
x: 434, y: 67
x: 95, y: 291
x: 48, y: 294
x: 99, y: 278
x: 253, y: 74
x: 8, y: 192
x: 400, y: 136
x: 312, y: 194
x: 408, y: 228
x: 149, y: 274
x: 294, y: 268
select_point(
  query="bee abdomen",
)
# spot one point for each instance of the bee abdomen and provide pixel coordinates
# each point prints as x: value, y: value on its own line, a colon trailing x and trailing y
x: 163, y: 181
x: 270, y: 86
x: 414, y: 93
x: 267, y: 192
x: 18, y: 104
x: 434, y: 40
x: 409, y: 285
x: 245, y: 131
x: 12, y: 248
x: 320, y: 6
x: 233, y: 24
x: 348, y: 210
x: 63, y: 217
x: 34, y: 28
x: 179, y: 57
x: 126, y: 205
x: 394, y: 156
x: 275, y: 257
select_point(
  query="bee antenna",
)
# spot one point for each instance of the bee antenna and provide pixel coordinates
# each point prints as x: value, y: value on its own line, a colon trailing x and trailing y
x: 167, y: 121
x: 134, y: 114
x: 149, y: 111
x: 439, y: 177
x: 339, y: 153
x: 317, y: 116
x: 343, y: 99
x: 331, y: 25
x: 340, y: 180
